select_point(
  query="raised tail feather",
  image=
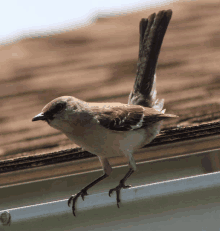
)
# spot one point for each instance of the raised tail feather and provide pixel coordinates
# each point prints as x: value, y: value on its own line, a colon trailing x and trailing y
x: 152, y: 31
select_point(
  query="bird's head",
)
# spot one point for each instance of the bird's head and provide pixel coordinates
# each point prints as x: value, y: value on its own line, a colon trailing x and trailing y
x: 57, y: 112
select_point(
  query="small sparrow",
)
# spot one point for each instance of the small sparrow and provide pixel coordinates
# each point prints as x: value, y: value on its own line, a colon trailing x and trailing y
x: 116, y: 129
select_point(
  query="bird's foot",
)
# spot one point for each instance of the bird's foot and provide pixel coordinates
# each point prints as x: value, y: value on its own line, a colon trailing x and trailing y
x: 117, y: 190
x: 74, y: 198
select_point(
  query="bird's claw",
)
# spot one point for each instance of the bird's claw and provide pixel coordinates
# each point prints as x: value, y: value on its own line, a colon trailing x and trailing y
x: 74, y: 198
x: 84, y: 193
x: 117, y: 189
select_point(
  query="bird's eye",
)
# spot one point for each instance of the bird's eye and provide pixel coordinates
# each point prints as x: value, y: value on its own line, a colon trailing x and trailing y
x: 59, y: 107
x: 50, y: 114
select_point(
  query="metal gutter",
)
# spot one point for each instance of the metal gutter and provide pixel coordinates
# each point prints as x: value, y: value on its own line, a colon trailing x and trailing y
x: 142, y: 198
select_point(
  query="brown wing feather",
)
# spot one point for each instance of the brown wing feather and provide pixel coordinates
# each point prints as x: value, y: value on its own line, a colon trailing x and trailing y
x: 125, y: 118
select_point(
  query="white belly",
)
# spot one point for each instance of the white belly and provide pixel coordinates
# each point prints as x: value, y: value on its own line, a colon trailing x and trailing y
x: 108, y: 143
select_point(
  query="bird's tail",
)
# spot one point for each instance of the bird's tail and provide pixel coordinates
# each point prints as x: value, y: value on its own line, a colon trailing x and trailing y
x: 152, y: 31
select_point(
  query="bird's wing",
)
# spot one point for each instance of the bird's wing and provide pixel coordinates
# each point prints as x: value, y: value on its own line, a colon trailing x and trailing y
x: 127, y: 117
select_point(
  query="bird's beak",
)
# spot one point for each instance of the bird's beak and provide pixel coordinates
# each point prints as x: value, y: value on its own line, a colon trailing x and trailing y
x: 40, y: 116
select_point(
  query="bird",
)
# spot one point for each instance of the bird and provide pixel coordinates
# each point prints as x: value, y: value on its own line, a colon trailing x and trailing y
x: 110, y: 129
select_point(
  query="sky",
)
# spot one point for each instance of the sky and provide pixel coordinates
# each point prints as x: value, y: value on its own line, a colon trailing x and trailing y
x: 25, y: 18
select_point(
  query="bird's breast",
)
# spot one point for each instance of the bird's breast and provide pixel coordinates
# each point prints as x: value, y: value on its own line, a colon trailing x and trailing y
x: 108, y: 143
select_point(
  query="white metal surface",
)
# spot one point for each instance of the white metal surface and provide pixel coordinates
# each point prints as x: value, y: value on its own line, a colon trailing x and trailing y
x: 186, y: 203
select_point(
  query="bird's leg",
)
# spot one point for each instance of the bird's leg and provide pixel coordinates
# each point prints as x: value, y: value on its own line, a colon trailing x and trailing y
x: 121, y: 185
x: 107, y: 171
x: 83, y: 192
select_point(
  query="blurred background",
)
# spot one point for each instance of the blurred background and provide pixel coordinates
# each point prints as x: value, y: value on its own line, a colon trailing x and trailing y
x: 89, y: 49
x: 21, y: 19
